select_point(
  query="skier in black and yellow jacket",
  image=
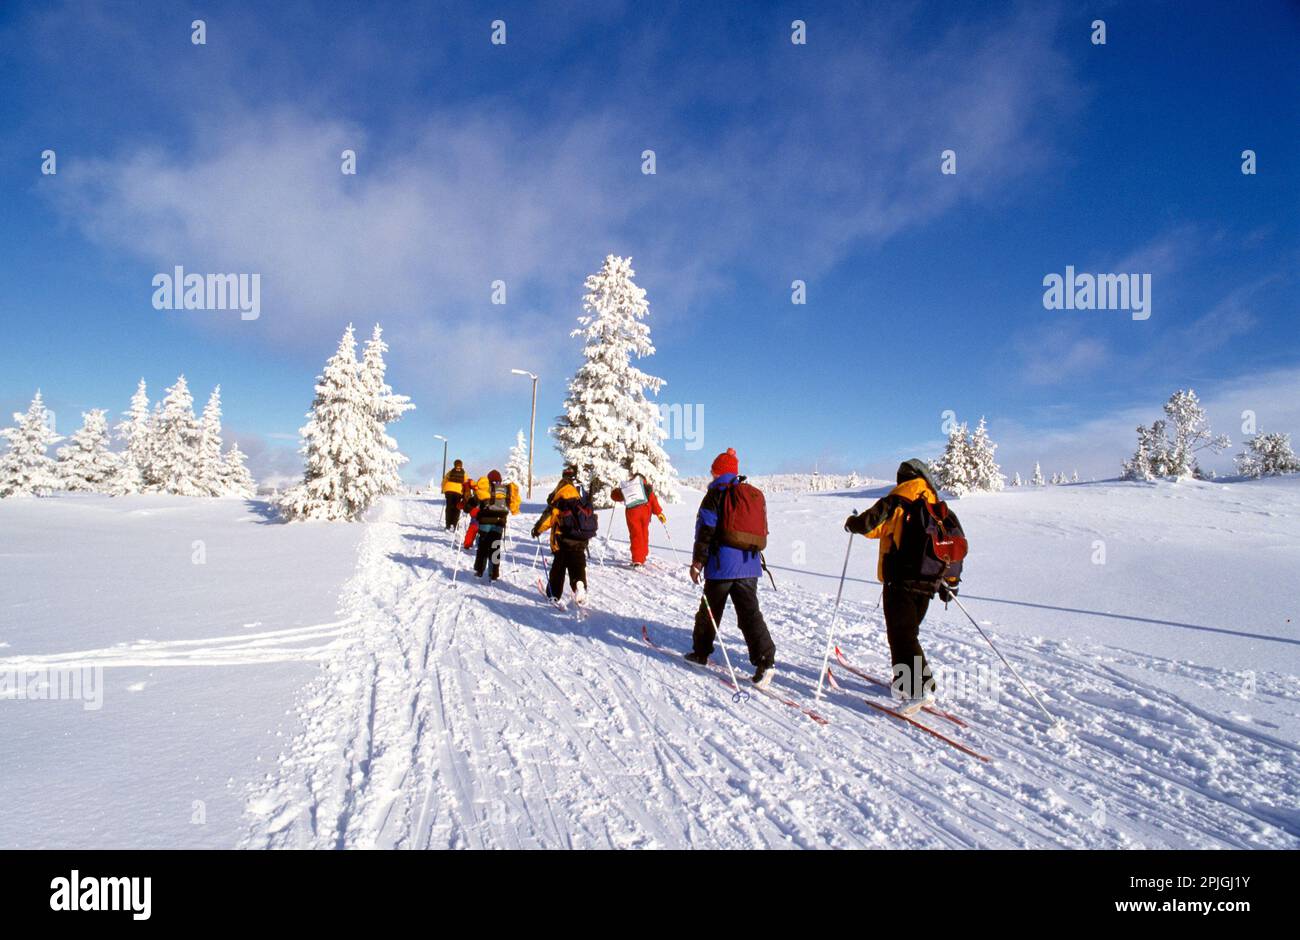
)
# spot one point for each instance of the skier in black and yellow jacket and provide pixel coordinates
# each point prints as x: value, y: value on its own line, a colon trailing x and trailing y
x: 905, y: 599
x: 569, y: 553
x: 453, y: 490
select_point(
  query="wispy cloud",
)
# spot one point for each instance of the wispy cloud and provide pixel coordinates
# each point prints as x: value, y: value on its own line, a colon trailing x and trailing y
x: 468, y: 195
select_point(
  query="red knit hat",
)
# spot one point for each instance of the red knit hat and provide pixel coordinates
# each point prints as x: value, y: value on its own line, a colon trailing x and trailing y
x: 726, y: 463
x: 494, y: 476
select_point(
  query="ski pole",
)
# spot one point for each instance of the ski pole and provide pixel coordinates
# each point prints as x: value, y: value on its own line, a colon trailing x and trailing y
x: 740, y: 693
x: 677, y: 558
x: 830, y: 635
x: 1056, y: 722
x: 459, y: 551
x: 609, y: 530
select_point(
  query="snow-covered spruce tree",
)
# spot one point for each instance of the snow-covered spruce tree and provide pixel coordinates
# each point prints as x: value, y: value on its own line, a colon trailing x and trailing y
x: 135, y: 433
x: 610, y: 429
x: 1016, y: 481
x: 1037, y: 478
x: 380, y: 468
x: 953, y: 470
x: 1168, y: 448
x: 176, y: 445
x: 86, y: 464
x: 347, y: 460
x: 1267, y: 455
x: 517, y: 462
x: 968, y: 464
x: 210, y: 467
x: 25, y: 468
x: 235, y: 478
x: 987, y: 475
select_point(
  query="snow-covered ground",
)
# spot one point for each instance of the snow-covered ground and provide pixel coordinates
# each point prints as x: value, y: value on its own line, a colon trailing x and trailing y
x: 205, y: 622
x: 426, y: 715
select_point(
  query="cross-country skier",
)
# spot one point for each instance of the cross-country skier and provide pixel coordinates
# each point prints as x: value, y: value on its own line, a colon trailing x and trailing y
x: 729, y: 572
x: 572, y: 523
x: 906, y: 596
x: 494, y: 502
x: 453, y: 490
x: 641, y: 503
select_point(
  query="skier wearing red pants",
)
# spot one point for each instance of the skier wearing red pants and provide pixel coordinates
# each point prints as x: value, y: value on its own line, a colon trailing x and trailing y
x: 642, y: 503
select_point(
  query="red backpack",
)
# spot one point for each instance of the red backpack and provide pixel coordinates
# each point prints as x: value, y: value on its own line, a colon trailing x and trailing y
x: 743, y: 521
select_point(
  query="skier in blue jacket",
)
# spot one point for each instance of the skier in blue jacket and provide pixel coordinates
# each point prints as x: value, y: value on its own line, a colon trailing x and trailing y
x: 728, y: 573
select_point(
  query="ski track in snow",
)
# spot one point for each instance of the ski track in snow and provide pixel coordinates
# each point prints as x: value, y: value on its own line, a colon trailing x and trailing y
x: 479, y: 717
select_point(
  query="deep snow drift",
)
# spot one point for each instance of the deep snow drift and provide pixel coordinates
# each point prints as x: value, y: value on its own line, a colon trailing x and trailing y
x: 431, y: 716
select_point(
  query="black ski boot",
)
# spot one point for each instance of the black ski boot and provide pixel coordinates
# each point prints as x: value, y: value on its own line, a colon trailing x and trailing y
x: 763, y: 675
x: 696, y: 658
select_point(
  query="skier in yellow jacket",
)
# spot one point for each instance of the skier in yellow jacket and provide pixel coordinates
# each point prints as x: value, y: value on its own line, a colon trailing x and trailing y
x: 453, y: 490
x: 906, y: 598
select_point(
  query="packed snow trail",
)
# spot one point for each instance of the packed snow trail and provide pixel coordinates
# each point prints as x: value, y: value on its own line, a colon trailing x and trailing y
x: 480, y: 716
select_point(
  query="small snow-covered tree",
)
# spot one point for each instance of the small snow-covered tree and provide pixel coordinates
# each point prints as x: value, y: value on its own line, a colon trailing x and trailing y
x: 136, y: 433
x: 854, y: 481
x: 1267, y: 455
x: 1168, y: 447
x: 235, y: 478
x: 1074, y: 476
x: 1016, y: 481
x: 347, y: 460
x: 381, y: 458
x: 86, y: 464
x: 176, y: 446
x: 210, y: 468
x: 610, y: 429
x: 968, y: 464
x: 987, y: 476
x: 1037, y: 478
x: 954, y: 470
x: 517, y: 462
x: 25, y: 468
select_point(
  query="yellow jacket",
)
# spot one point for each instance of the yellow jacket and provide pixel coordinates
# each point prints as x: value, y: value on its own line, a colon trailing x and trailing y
x: 564, y: 491
x: 884, y: 520
x: 455, y: 480
x: 483, y: 490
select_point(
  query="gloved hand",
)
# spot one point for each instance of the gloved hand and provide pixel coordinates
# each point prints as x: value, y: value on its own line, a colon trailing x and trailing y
x: 663, y: 518
x: 537, y: 529
x: 848, y: 523
x: 946, y: 593
x: 695, y: 573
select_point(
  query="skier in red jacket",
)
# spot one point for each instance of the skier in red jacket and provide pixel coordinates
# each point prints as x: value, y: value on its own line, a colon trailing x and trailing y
x: 641, y: 503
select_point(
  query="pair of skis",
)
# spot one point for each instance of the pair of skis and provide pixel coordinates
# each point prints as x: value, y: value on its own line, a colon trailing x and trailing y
x: 739, y: 694
x: 894, y: 713
x: 579, y: 609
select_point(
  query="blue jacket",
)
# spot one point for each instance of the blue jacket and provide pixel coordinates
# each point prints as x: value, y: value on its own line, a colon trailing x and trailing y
x: 721, y: 562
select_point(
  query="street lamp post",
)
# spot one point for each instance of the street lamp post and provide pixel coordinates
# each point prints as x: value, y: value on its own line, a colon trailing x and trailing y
x: 532, y: 427
x: 439, y: 437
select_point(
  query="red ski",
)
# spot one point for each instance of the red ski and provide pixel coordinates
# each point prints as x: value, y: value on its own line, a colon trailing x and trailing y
x: 937, y: 712
x: 726, y: 680
x: 911, y: 721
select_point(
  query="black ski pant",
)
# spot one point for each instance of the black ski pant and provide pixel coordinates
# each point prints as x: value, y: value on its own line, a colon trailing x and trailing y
x: 453, y: 510
x: 904, y: 611
x: 489, y: 551
x: 571, y: 561
x: 744, y: 594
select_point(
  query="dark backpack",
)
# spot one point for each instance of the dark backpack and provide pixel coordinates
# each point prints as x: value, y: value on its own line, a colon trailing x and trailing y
x: 931, y: 545
x: 577, y: 522
x: 742, y: 523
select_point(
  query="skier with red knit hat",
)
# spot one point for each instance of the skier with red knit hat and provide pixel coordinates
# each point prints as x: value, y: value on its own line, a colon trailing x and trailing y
x: 730, y: 534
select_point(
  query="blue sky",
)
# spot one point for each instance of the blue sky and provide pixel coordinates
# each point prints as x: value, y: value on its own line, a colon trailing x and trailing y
x: 775, y: 162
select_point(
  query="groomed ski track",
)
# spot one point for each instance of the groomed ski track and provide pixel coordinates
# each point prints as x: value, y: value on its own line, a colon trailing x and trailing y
x: 481, y: 717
